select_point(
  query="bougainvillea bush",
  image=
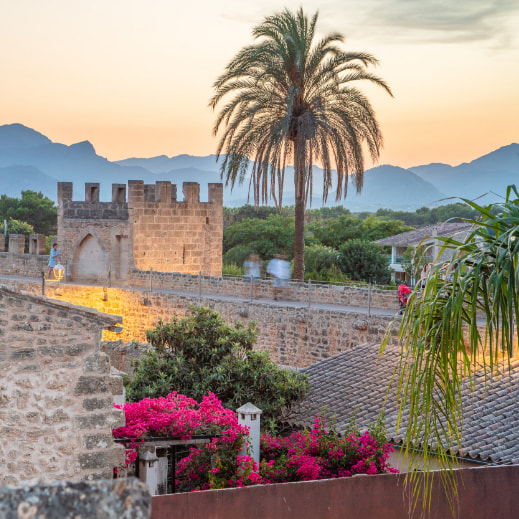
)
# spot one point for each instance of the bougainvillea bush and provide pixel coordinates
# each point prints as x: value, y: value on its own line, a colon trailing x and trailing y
x: 304, y: 455
x: 323, y: 454
x: 182, y: 417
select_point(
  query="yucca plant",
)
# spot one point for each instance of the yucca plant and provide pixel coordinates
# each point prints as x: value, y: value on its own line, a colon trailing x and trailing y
x: 293, y: 99
x: 462, y: 321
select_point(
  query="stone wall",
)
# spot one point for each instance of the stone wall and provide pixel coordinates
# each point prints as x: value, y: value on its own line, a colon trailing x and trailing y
x: 344, y: 295
x: 118, y: 499
x: 294, y: 336
x: 172, y: 236
x: 150, y: 230
x: 56, y: 392
x: 27, y: 265
x: 93, y: 235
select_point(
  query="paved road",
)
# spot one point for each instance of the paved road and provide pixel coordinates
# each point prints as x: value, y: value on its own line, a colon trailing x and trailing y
x: 220, y: 297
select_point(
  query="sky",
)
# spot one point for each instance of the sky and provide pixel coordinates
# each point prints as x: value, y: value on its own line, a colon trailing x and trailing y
x: 134, y: 76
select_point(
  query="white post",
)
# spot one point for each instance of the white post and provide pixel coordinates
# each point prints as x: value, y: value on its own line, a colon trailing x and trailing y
x: 250, y: 416
x: 148, y: 471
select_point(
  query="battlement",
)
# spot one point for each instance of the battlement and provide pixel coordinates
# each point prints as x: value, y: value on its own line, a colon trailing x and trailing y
x: 144, y: 226
x: 161, y: 192
x: 164, y: 192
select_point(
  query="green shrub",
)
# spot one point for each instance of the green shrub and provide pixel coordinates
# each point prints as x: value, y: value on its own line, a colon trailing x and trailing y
x: 364, y: 261
x: 202, y: 354
x: 237, y: 255
x: 319, y: 258
x: 232, y: 270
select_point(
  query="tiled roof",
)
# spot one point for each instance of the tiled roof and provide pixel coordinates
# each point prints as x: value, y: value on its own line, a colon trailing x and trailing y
x: 415, y: 236
x: 356, y: 381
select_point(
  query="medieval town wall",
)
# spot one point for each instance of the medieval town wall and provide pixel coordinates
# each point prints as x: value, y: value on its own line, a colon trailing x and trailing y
x: 150, y: 230
x: 93, y: 235
x: 172, y: 236
x: 295, y: 337
x: 56, y: 392
x: 344, y: 295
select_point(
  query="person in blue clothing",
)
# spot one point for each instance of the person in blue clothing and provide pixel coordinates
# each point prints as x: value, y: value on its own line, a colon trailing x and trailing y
x: 252, y: 268
x: 53, y: 259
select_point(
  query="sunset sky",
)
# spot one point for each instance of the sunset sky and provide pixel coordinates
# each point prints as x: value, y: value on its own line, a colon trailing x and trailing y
x: 134, y: 77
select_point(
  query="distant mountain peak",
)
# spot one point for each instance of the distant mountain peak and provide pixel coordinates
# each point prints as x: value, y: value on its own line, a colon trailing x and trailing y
x: 17, y: 135
x: 85, y: 147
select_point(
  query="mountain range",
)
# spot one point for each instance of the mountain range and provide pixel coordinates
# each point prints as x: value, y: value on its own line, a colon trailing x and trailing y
x: 30, y: 160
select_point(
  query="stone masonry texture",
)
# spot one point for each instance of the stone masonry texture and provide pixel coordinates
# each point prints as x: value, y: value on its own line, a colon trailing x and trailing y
x: 56, y: 403
x: 117, y: 499
x: 294, y: 337
x: 152, y: 230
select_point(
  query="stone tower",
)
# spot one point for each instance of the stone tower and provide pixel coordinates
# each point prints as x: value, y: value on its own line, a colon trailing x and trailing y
x: 150, y: 230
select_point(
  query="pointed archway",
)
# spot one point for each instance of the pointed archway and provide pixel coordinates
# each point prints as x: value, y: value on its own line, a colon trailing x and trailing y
x: 90, y: 261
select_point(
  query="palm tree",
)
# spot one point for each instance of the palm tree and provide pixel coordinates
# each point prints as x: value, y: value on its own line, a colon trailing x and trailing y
x: 292, y: 99
x: 458, y: 325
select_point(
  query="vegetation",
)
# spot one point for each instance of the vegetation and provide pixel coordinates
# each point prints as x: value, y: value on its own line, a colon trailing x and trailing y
x: 304, y: 455
x: 441, y: 337
x: 267, y: 233
x: 266, y: 237
x: 364, y: 261
x: 202, y: 354
x: 427, y: 216
x: 290, y: 98
x: 18, y: 227
x: 33, y: 208
x: 335, y: 231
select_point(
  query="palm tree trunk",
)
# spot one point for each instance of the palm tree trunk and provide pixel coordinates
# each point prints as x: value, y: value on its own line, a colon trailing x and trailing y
x: 299, y: 238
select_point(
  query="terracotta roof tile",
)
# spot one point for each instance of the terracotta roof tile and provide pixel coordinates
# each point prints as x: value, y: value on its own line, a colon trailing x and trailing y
x: 356, y: 381
x: 415, y: 236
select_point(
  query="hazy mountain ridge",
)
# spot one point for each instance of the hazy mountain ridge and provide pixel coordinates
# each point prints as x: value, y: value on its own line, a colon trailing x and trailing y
x: 29, y: 160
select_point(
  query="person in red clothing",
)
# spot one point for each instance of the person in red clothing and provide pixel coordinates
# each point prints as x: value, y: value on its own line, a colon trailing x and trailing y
x: 403, y: 295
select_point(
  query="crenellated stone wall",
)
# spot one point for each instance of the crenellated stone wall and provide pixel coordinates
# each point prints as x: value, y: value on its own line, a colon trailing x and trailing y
x: 56, y: 392
x: 26, y: 265
x: 172, y: 236
x: 150, y: 230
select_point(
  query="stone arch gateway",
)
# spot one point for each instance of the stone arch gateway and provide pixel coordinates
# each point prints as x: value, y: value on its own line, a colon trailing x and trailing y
x: 90, y: 260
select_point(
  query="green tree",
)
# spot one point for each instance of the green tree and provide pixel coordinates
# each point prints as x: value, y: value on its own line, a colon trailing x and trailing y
x: 291, y: 98
x: 335, y: 231
x: 364, y: 261
x: 266, y: 237
x: 34, y: 208
x: 441, y: 338
x: 237, y: 214
x: 201, y: 354
x: 18, y: 227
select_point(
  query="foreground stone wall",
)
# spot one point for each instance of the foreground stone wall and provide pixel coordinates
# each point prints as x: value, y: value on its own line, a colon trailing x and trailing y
x: 56, y: 392
x: 294, y: 336
x: 118, y: 499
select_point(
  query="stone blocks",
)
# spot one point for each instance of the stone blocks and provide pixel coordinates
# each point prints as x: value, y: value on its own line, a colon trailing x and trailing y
x: 150, y: 230
x: 123, y: 498
x: 56, y: 391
